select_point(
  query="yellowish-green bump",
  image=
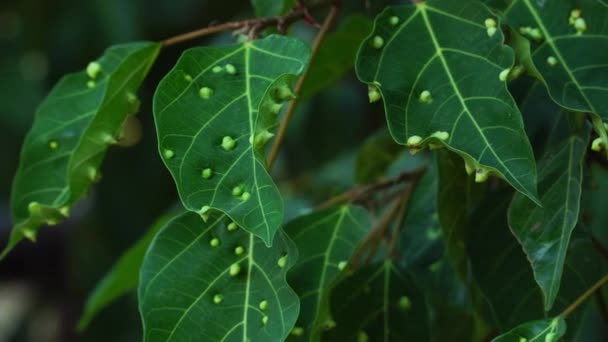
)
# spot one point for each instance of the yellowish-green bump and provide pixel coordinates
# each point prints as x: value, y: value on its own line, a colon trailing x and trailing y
x: 93, y: 70
x: 426, y: 97
x: 490, y: 22
x: 188, y: 78
x: 262, y: 138
x: 597, y: 145
x: 405, y: 303
x: 34, y: 208
x: 470, y: 169
x: 282, y: 262
x: 394, y: 20
x: 362, y: 336
x: 230, y: 69
x: 29, y: 234
x: 550, y: 337
x: 536, y: 34
x: 207, y: 173
x: 204, y: 212
x: 377, y: 42
x: 91, y: 84
x: 580, y: 25
x: 232, y: 227
x: 373, y: 93
x: 228, y: 143
x: 523, y: 339
x: 216, y: 69
x: 168, y: 154
x: 297, y: 331
x: 552, y: 61
x: 218, y: 298
x: 491, y: 31
x: 574, y: 14
x: 235, y: 269
x: 481, y: 175
x: 93, y: 174
x: 342, y: 265
x: 441, y: 135
x: 64, y: 211
x: 329, y: 324
x: 215, y: 242
x: 238, y: 250
x: 237, y: 191
x: 265, y: 320
x: 245, y: 196
x: 504, y: 75
x: 53, y: 145
x: 263, y: 305
x: 205, y: 92
x: 414, y: 140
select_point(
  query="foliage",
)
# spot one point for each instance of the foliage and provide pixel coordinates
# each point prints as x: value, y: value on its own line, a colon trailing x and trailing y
x: 490, y: 228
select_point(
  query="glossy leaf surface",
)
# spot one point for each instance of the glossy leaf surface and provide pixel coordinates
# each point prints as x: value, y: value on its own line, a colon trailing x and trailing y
x: 550, y: 330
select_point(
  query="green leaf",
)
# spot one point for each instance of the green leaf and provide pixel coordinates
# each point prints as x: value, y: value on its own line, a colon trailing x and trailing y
x: 375, y: 157
x: 72, y: 130
x: 544, y: 232
x: 441, y: 88
x: 377, y: 303
x: 271, y: 8
x: 214, y: 282
x: 549, y: 330
x: 573, y: 66
x: 325, y: 241
x: 337, y: 54
x: 122, y: 278
x: 214, y: 112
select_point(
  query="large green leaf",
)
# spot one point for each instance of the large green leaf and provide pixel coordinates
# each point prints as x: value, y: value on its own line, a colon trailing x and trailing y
x: 572, y: 65
x: 72, y: 130
x: 215, y: 282
x: 122, y: 278
x: 377, y: 303
x: 544, y: 232
x: 213, y: 114
x: 325, y: 241
x: 441, y: 74
x: 550, y: 330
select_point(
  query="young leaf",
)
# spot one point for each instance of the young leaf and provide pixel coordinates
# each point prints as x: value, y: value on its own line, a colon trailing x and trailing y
x: 73, y: 128
x: 325, y: 241
x: 544, y: 232
x: 214, y: 112
x: 213, y: 281
x: 549, y: 330
x: 122, y: 278
x: 569, y: 41
x: 377, y: 303
x: 441, y: 68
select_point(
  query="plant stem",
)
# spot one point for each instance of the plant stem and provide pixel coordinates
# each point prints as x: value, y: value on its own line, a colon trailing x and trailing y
x: 603, y: 281
x: 327, y: 24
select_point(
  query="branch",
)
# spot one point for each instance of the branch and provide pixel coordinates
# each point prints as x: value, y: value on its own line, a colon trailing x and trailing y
x: 603, y: 281
x: 327, y: 24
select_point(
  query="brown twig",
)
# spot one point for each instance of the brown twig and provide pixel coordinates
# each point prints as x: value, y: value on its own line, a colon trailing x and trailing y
x: 590, y: 291
x: 249, y: 26
x: 327, y: 24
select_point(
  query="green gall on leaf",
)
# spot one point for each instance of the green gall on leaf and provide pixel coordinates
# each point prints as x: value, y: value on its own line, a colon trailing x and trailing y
x: 205, y: 92
x: 329, y: 324
x: 481, y: 175
x: 284, y: 93
x: 168, y: 154
x: 51, y: 222
x: 188, y: 78
x: 470, y: 169
x: 414, y: 140
x: 523, y: 339
x: 362, y: 336
x: 93, y: 70
x: 264, y: 320
x: 504, y: 75
x: 432, y: 234
x: 525, y: 30
x: 93, y: 174
x: 228, y: 143
x: 204, y: 213
x: 238, y: 250
x: 575, y: 13
x: 34, y: 208
x: 426, y: 97
x: 536, y: 34
x: 235, y: 269
x: 552, y: 61
x: 230, y: 69
x: 263, y: 305
x: 215, y: 242
x: 342, y: 265
x: 245, y: 196
x: 297, y: 331
x: 108, y: 138
x: 491, y: 31
x: 405, y: 303
x: 64, y: 211
x: 441, y: 135
x: 207, y: 173
x: 232, y: 226
x: 377, y: 42
x: 282, y: 262
x: 237, y: 191
x: 29, y: 234
x: 580, y: 25
x: 373, y: 93
x: 550, y: 337
x: 90, y: 84
x: 217, y: 69
x: 262, y: 138
x: 490, y: 22
x: 394, y: 20
x: 218, y: 298
x: 53, y: 144
x: 597, y: 145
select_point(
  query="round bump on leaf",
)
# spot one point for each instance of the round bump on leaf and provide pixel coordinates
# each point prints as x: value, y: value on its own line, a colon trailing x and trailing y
x: 414, y: 140
x: 93, y: 174
x: 329, y: 324
x: 481, y: 175
x: 91, y: 84
x: 230, y: 69
x: 597, y: 145
x: 188, y: 78
x: 490, y: 22
x: 580, y: 25
x: 168, y: 154
x: 217, y: 69
x: 377, y: 42
x: 342, y: 265
x: 207, y: 173
x: 232, y: 226
x: 262, y: 138
x: 264, y: 320
x: 470, y: 169
x: 93, y: 70
x: 491, y: 31
x: 205, y: 92
x: 536, y: 34
x: 215, y: 242
x: 239, y: 250
x: 441, y: 135
x: 297, y: 331
x: 245, y: 196
x: 237, y: 191
x: 373, y: 93
x: 204, y: 212
x: 405, y: 303
x: 29, y: 234
x: 426, y: 97
x: 504, y: 75
x: 552, y: 61
x: 34, y: 208
x: 523, y: 339
x: 263, y: 305
x: 551, y: 337
x: 218, y: 298
x: 282, y: 262
x: 228, y: 143
x: 394, y: 20
x: 53, y: 144
x: 235, y: 269
x: 64, y: 211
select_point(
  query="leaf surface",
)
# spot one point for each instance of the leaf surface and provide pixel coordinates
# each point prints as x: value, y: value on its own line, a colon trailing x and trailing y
x: 440, y: 72
x: 206, y: 281
x: 72, y: 130
x: 270, y: 8
x: 548, y: 330
x: 214, y: 112
x: 325, y: 241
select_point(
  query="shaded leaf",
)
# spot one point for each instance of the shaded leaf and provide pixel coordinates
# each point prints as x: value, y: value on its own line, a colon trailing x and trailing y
x: 440, y: 71
x: 549, y: 330
x: 214, y: 112
x: 270, y: 8
x: 72, y: 130
x: 544, y: 232
x: 325, y: 241
x: 377, y: 154
x: 211, y: 282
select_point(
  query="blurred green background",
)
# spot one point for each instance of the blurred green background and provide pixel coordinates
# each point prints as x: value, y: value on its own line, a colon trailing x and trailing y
x: 43, y: 286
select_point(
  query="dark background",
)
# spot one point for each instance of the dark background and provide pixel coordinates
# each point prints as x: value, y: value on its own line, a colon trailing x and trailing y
x: 43, y: 286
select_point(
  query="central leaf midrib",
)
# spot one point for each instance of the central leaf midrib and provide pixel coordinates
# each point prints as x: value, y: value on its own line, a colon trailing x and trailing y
x: 460, y: 97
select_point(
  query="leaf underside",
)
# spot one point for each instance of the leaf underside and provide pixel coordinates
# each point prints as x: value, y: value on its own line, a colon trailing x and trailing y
x: 325, y: 241
x: 443, y: 47
x: 72, y: 130
x: 243, y: 87
x: 189, y: 287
